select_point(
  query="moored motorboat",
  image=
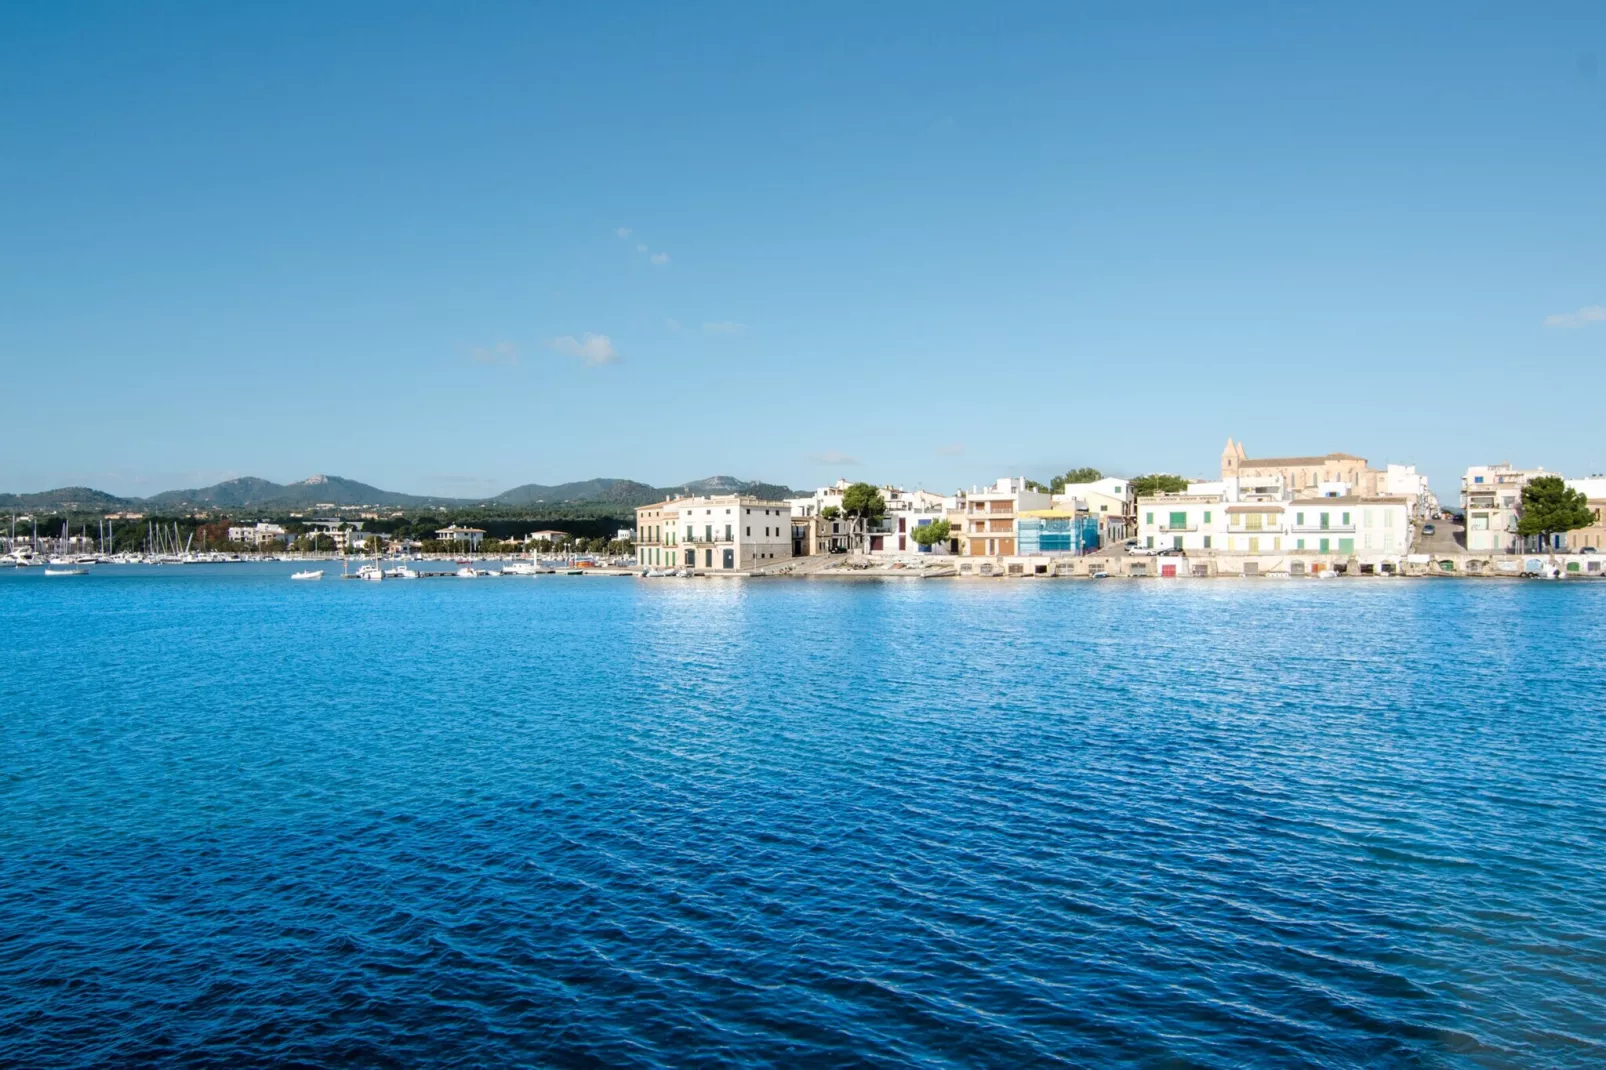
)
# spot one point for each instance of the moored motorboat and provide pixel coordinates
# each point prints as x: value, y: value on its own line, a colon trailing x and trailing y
x: 66, y: 571
x: 309, y: 574
x: 370, y: 572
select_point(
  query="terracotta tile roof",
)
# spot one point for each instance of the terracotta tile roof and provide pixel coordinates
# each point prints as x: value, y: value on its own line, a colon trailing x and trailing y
x: 1290, y: 462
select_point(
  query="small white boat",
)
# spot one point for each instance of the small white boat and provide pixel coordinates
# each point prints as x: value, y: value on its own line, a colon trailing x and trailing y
x: 66, y: 571
x: 401, y: 572
x: 466, y: 573
x: 309, y: 574
x: 370, y: 572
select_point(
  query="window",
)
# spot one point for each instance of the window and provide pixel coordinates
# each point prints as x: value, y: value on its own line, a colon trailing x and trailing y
x: 1477, y: 479
x: 1148, y: 543
x: 1207, y: 538
x: 1326, y: 520
x: 1207, y: 516
x: 1254, y: 522
x: 1299, y: 544
x: 1299, y: 518
x: 1179, y: 520
x: 1366, y: 518
x: 1346, y: 546
x: 1148, y: 518
x: 1388, y: 518
x: 708, y: 534
x: 1346, y: 520
x: 750, y: 531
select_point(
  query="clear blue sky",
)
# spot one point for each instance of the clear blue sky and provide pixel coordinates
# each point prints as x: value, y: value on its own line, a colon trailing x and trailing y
x: 917, y: 243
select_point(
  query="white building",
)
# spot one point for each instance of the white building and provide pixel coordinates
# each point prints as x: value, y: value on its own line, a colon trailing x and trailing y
x: 1219, y: 518
x: 906, y: 511
x: 724, y: 532
x: 1350, y: 524
x: 1192, y: 521
x: 344, y: 533
x: 256, y: 534
x: 1491, y: 498
x: 1404, y: 481
x: 1110, y: 499
x: 546, y: 535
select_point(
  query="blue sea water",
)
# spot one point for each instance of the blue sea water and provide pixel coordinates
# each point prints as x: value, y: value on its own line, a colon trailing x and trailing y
x: 571, y: 821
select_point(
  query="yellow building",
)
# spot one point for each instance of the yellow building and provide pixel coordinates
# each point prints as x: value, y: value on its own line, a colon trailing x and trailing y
x: 655, y: 533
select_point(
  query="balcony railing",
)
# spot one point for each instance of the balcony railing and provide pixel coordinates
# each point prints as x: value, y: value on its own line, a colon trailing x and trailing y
x: 1179, y: 527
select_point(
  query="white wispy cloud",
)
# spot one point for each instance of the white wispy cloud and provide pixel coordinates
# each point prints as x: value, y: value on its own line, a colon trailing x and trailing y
x: 1582, y: 318
x: 503, y: 353
x: 659, y: 258
x: 832, y: 457
x: 953, y: 449
x: 623, y: 232
x: 641, y: 247
x: 594, y: 349
x: 724, y: 327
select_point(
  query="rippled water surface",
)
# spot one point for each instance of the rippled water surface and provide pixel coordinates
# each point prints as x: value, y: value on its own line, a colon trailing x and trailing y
x: 570, y: 820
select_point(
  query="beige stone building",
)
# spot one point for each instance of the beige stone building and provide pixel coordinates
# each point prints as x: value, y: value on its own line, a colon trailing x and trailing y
x: 1307, y: 474
x: 1594, y: 536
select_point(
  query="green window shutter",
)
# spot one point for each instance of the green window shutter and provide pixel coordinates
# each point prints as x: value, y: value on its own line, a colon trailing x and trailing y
x: 1207, y: 538
x: 1207, y: 516
x: 1346, y: 546
x: 1179, y: 520
x: 1299, y: 518
x: 1346, y: 518
x: 1299, y: 544
x: 1148, y: 518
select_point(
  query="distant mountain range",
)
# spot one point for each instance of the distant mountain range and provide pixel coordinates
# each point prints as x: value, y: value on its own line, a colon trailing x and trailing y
x: 251, y: 493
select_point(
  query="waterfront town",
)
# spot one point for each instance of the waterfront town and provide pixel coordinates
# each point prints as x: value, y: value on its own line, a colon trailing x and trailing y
x: 1320, y: 516
x: 1325, y: 515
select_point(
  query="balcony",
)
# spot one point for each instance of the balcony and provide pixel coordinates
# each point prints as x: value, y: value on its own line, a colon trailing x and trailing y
x: 1179, y: 527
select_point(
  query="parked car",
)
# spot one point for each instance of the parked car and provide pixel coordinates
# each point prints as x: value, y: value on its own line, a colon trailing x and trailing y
x: 1588, y: 550
x: 1427, y: 529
